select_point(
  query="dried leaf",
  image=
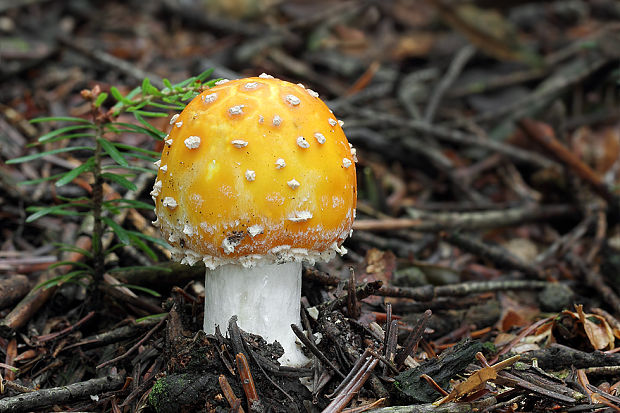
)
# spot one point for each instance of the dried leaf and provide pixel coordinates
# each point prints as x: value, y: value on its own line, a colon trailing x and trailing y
x: 597, y: 329
x: 515, y: 313
x: 522, y: 248
x: 380, y: 266
x: 512, y: 319
x: 613, y: 322
x: 413, y: 45
x: 477, y: 380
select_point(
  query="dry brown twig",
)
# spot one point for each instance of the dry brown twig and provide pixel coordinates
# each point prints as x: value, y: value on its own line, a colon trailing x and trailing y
x: 348, y: 389
x: 135, y: 346
x: 247, y: 382
x: 53, y: 336
x: 39, y: 399
x: 229, y: 395
x: 315, y: 350
x: 427, y: 221
x: 413, y: 339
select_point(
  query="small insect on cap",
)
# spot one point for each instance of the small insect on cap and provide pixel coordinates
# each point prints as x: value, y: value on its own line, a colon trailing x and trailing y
x: 255, y: 170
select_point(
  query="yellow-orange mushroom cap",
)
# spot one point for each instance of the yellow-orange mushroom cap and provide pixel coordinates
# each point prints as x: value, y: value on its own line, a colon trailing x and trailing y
x: 255, y: 170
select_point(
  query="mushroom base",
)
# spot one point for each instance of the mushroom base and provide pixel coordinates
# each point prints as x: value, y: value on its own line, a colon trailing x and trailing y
x: 265, y: 299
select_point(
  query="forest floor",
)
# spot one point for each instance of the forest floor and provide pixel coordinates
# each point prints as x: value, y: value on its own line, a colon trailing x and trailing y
x: 483, y: 273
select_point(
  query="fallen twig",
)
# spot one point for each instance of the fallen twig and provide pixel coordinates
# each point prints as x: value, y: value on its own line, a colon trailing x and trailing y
x: 314, y: 349
x: 353, y: 309
x: 361, y: 291
x: 254, y: 358
x: 52, y: 336
x: 111, y: 61
x: 13, y: 287
x: 60, y: 395
x: 456, y: 136
x: 390, y: 338
x: 429, y: 292
x: 557, y: 357
x: 146, y: 383
x: 413, y: 339
x: 455, y: 68
x: 497, y: 254
x: 428, y: 221
x: 113, y: 336
x: 515, y: 381
x: 229, y: 395
x: 354, y: 370
x: 247, y: 382
x: 353, y: 385
x: 594, y: 278
x: 135, y: 346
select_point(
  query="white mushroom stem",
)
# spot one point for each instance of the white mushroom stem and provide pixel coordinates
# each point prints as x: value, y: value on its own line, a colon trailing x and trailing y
x: 265, y: 299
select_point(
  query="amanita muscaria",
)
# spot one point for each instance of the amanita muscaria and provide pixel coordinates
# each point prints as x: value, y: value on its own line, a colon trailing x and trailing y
x: 255, y: 177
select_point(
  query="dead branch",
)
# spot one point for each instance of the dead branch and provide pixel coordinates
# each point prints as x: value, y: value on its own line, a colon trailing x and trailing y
x: 315, y: 350
x: 60, y: 395
x: 557, y: 357
x: 428, y: 221
x: 428, y: 292
x: 13, y: 288
x: 495, y: 253
x: 135, y: 346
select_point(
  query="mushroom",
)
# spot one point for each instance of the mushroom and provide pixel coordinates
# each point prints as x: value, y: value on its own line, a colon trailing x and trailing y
x: 253, y: 199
